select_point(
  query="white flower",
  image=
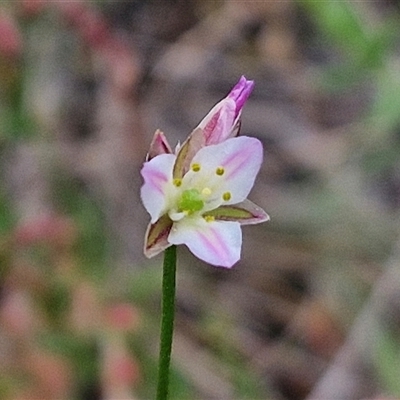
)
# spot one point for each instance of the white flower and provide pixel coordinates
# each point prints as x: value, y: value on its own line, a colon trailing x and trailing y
x: 201, y: 201
x: 197, y: 196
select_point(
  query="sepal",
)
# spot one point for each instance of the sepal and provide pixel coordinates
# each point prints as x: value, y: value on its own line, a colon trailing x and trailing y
x: 236, y: 128
x: 156, y: 238
x: 187, y: 151
x: 246, y: 213
x: 159, y: 145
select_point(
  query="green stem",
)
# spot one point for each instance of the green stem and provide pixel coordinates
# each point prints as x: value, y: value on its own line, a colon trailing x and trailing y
x: 167, y: 322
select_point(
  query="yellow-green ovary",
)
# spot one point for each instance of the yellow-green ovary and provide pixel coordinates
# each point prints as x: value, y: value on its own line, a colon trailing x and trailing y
x: 191, y: 201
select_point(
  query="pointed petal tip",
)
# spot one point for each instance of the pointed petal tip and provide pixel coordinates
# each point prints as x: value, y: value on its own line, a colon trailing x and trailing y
x: 247, y: 83
x: 227, y: 265
x: 152, y: 252
x: 159, y: 145
x: 240, y: 93
x: 244, y: 86
x: 259, y: 215
x: 262, y: 218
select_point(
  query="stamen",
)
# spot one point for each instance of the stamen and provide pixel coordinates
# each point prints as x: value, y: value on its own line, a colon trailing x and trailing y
x: 220, y: 171
x: 226, y: 196
x: 196, y: 167
x: 206, y: 191
x: 177, y: 182
x: 209, y: 218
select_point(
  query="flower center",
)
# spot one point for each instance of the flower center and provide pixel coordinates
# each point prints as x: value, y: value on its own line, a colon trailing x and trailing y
x: 190, y: 201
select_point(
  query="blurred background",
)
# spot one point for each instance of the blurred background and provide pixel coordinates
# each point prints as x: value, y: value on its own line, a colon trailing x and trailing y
x: 312, y: 311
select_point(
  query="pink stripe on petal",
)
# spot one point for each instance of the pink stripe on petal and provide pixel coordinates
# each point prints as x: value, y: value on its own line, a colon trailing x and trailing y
x: 215, y: 244
x: 157, y: 180
x: 157, y: 175
x: 243, y: 157
x: 235, y: 164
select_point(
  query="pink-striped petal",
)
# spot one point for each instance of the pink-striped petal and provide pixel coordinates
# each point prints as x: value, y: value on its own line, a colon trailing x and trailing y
x: 216, y: 243
x: 240, y: 158
x: 157, y: 175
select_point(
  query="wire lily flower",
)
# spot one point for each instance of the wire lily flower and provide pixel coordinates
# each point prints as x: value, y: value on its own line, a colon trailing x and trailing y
x: 198, y: 195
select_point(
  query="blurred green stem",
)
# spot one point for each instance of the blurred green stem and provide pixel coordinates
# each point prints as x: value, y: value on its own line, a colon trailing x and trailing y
x: 167, y: 322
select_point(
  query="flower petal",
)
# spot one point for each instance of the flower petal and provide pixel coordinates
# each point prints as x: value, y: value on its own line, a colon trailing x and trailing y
x: 156, y: 239
x: 246, y: 213
x: 159, y: 145
x: 240, y: 159
x: 216, y: 243
x: 157, y: 175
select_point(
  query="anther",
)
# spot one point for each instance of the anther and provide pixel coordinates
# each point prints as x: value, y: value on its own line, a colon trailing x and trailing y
x: 220, y: 171
x: 209, y: 218
x: 177, y: 182
x: 196, y: 167
x: 226, y: 196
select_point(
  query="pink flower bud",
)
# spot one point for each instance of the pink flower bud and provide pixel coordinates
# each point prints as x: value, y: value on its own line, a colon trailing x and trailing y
x: 222, y: 122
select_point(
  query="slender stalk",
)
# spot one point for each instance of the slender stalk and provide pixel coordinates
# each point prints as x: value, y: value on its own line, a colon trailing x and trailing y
x: 167, y: 321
